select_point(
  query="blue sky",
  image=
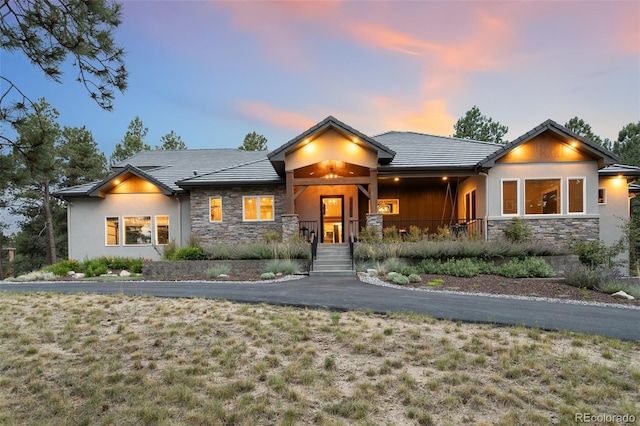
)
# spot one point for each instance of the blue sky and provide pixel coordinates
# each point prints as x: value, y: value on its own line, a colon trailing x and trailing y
x: 215, y: 71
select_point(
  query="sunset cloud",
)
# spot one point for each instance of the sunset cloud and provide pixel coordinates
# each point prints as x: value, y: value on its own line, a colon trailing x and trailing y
x: 283, y: 118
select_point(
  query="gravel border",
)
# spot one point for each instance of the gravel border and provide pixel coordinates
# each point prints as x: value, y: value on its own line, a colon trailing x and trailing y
x: 377, y: 281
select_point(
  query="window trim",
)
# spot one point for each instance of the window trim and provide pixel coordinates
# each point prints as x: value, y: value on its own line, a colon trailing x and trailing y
x: 584, y: 193
x: 393, y: 202
x: 517, y: 181
x: 106, y: 232
x: 471, y: 212
x: 124, y: 231
x: 604, y: 196
x: 219, y: 197
x: 155, y: 227
x: 561, y: 195
x: 258, y: 200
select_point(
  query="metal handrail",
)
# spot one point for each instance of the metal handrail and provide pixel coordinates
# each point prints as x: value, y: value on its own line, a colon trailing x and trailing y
x: 314, y: 247
x: 352, y: 240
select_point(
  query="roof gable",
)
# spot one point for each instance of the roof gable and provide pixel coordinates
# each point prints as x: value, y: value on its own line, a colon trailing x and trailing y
x: 125, y: 173
x: 563, y: 135
x: 277, y: 156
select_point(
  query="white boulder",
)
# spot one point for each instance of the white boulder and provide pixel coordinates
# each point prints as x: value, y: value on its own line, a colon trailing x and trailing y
x: 622, y: 295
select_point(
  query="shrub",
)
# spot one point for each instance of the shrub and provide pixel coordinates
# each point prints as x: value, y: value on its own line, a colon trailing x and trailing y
x: 216, y: 271
x: 414, y: 278
x: 61, y: 268
x: 582, y: 276
x: 370, y: 235
x: 218, y: 252
x: 399, y: 279
x: 594, y: 253
x: 415, y: 234
x: 169, y: 249
x: 267, y: 276
x: 518, y: 231
x: 614, y: 287
x: 393, y: 264
x: 272, y: 237
x: 189, y: 253
x: 391, y: 235
x: 530, y: 267
x: 286, y: 266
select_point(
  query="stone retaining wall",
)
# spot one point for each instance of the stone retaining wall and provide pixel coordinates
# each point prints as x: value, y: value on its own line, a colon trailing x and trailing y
x: 552, y: 230
x: 197, y: 269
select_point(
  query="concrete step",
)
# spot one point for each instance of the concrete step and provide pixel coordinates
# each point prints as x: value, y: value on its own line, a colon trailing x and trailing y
x: 336, y: 273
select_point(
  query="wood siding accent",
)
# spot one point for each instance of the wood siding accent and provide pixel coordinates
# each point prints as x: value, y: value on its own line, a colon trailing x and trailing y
x: 542, y: 149
x: 135, y: 185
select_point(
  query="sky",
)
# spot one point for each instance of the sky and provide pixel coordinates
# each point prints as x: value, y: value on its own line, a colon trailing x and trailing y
x: 213, y: 71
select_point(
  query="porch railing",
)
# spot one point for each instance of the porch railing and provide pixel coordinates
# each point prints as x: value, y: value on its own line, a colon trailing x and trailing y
x: 455, y: 227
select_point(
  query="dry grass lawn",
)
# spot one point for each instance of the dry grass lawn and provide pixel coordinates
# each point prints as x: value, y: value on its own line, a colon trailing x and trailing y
x: 114, y: 360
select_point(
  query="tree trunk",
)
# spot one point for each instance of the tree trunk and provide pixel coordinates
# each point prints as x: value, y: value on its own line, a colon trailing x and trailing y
x: 48, y: 220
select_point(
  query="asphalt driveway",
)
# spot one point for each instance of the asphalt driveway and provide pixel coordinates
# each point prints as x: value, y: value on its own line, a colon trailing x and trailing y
x: 351, y: 294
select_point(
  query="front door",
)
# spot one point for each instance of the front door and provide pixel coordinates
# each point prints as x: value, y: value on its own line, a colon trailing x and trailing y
x: 332, y: 214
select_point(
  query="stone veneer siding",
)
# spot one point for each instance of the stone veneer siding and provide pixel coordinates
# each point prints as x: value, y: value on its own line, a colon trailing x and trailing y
x: 232, y: 228
x: 551, y: 230
x: 290, y: 226
x: 374, y: 220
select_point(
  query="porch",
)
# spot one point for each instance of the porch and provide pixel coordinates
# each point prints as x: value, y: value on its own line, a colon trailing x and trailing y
x: 404, y: 229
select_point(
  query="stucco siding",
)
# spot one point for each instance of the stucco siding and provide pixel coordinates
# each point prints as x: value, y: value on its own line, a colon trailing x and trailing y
x: 87, y: 223
x: 523, y: 172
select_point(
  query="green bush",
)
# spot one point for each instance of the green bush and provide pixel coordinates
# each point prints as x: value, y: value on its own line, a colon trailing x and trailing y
x: 518, y: 231
x: 216, y: 271
x: 272, y: 237
x: 399, y: 279
x: 95, y: 267
x: 414, y: 278
x: 415, y: 234
x: 370, y: 235
x: 614, y: 287
x: 530, y: 267
x: 267, y: 276
x: 391, y: 235
x: 582, y: 276
x: 286, y: 266
x: 62, y: 268
x: 189, y: 253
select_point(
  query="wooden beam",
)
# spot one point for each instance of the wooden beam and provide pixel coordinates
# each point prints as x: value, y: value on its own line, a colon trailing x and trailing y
x: 373, y: 190
x: 364, y: 190
x: 289, y: 197
x: 299, y: 192
x: 337, y: 181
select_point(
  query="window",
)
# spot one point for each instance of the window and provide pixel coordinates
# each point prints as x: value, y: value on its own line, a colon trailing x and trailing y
x: 602, y: 195
x: 576, y: 195
x: 113, y: 231
x: 137, y: 230
x: 389, y: 206
x: 470, y: 205
x: 215, y: 209
x: 542, y: 196
x: 509, y: 197
x: 257, y: 208
x: 162, y: 229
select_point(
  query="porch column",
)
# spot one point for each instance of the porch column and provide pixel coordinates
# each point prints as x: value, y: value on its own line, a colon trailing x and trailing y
x: 289, y: 197
x: 373, y: 191
x: 290, y: 226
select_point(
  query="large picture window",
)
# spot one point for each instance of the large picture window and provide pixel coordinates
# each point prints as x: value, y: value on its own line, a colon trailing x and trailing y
x: 137, y: 230
x: 112, y: 231
x: 510, y: 197
x: 257, y: 208
x: 215, y: 209
x: 162, y: 229
x: 542, y: 196
x: 576, y: 195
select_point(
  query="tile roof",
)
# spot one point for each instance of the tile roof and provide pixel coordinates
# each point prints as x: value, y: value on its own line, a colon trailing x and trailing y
x: 254, y: 172
x: 422, y: 151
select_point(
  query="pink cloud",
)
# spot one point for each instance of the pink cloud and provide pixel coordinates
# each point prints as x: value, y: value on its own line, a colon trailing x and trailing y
x: 286, y: 119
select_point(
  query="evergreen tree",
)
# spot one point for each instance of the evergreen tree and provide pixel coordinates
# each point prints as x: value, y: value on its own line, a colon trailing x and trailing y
x: 36, y: 167
x: 627, y: 147
x: 254, y: 142
x: 132, y: 143
x: 172, y: 141
x: 48, y: 33
x: 475, y: 126
x: 80, y: 157
x: 582, y: 128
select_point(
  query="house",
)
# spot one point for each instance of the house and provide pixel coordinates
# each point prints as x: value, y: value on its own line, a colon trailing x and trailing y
x: 334, y: 180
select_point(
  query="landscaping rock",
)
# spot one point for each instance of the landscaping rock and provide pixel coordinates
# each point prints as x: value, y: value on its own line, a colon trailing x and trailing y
x: 223, y: 276
x: 372, y: 272
x: 78, y: 275
x: 125, y: 273
x: 622, y: 295
x: 71, y: 273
